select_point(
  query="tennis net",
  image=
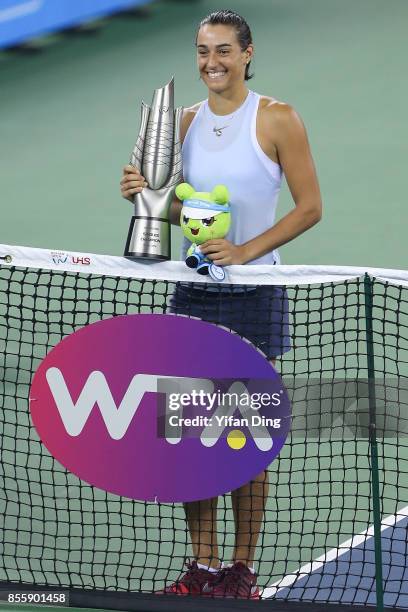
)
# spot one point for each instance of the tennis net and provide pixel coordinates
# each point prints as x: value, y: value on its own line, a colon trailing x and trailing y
x: 334, y: 528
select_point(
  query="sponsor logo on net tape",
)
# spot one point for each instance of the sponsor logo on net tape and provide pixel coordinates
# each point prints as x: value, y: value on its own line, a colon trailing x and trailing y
x: 60, y: 257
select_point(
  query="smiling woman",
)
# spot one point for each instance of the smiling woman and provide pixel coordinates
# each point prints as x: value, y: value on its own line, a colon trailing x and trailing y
x: 229, y: 57
x: 247, y: 141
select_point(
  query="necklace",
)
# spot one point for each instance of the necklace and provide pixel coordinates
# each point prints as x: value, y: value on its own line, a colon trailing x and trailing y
x: 218, y: 130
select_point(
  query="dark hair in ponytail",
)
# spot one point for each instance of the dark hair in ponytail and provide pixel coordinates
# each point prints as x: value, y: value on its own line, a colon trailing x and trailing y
x: 230, y: 18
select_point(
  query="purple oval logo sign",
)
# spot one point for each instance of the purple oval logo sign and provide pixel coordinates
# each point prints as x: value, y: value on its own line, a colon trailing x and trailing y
x: 159, y: 407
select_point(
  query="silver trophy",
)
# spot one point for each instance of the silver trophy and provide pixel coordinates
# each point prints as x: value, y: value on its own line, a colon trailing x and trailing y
x: 157, y: 154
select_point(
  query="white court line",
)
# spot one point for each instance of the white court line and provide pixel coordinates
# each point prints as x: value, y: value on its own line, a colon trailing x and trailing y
x: 332, y: 554
x: 20, y: 10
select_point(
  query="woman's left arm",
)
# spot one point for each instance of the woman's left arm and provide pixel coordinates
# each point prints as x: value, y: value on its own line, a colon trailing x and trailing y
x: 287, y: 135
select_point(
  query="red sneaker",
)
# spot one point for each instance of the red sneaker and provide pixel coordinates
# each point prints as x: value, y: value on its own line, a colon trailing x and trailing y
x: 195, y: 581
x: 236, y: 582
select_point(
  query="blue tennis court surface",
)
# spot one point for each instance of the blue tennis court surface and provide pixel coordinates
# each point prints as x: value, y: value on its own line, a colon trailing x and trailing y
x: 347, y: 574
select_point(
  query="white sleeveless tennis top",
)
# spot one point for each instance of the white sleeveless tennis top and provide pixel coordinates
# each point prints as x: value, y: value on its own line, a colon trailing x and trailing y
x: 236, y: 160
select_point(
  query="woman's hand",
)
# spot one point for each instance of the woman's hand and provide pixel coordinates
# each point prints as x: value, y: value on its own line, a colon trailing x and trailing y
x: 223, y: 253
x: 132, y: 182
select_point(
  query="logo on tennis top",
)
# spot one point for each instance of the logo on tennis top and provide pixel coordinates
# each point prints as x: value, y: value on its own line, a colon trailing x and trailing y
x: 129, y: 404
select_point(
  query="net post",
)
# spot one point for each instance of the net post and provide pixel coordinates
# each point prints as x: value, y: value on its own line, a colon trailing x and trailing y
x: 375, y: 483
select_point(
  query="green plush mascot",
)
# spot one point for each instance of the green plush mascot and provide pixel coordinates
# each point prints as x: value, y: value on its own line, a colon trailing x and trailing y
x: 204, y: 216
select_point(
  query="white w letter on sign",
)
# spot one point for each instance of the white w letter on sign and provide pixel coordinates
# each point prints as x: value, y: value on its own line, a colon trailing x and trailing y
x: 96, y: 391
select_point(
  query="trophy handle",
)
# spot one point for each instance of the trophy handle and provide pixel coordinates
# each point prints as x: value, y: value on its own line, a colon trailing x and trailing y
x: 177, y: 167
x: 136, y: 158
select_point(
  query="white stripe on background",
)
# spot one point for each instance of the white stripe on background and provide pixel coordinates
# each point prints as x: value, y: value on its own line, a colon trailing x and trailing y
x: 20, y: 10
x: 332, y: 554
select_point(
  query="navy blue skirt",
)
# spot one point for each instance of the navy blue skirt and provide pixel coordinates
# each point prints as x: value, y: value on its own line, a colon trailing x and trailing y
x: 259, y: 314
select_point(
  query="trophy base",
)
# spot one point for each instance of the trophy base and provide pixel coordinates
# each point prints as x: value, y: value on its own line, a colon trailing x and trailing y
x: 134, y: 255
x: 148, y: 238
